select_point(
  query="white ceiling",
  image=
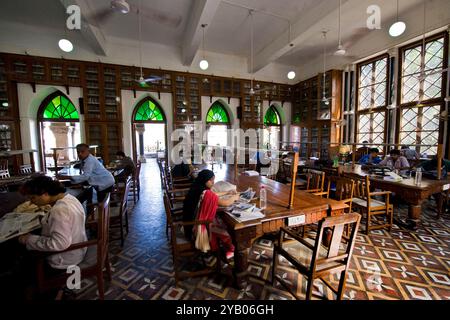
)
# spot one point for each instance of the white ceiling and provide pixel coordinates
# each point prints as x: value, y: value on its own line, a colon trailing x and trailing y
x: 228, y: 30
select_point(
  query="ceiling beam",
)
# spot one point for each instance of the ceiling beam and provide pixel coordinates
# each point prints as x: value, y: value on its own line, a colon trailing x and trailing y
x: 202, y: 12
x: 92, y: 34
x: 307, y: 25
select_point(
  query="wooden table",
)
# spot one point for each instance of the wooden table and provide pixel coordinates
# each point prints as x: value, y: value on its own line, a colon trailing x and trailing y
x: 406, y: 189
x: 311, y: 207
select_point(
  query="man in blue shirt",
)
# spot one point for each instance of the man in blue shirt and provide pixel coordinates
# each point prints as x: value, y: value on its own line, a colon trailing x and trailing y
x: 371, y: 158
x: 93, y: 172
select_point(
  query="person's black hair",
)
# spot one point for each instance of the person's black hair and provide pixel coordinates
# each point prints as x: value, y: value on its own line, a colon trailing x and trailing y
x: 42, y: 184
x: 404, y: 147
x: 374, y: 150
x: 82, y: 146
x: 394, y: 152
x: 193, y: 197
x: 120, y: 153
x: 365, y: 141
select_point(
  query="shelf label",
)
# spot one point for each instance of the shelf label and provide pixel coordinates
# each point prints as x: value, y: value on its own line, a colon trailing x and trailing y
x: 293, y: 221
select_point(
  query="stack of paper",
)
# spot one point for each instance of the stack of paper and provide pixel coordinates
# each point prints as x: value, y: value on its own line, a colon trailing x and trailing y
x: 247, y: 195
x: 15, y: 224
x: 245, y: 212
x: 251, y: 173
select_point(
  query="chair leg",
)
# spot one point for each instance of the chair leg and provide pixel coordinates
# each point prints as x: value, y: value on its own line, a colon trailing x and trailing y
x: 341, y: 288
x: 309, y: 288
x: 368, y: 222
x: 108, y: 267
x: 121, y: 232
x: 274, y: 265
x: 100, y: 285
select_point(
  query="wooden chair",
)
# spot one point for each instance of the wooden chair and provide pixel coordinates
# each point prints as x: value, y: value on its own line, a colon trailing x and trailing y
x: 4, y: 164
x: 4, y: 174
x: 182, y: 247
x: 365, y: 202
x: 343, y: 190
x: 25, y: 170
x: 315, y: 181
x: 119, y: 209
x: 95, y: 260
x: 175, y: 200
x: 136, y: 183
x: 321, y: 261
x: 443, y: 203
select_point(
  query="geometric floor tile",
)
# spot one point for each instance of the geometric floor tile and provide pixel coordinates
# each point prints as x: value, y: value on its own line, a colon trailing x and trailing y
x: 402, y: 264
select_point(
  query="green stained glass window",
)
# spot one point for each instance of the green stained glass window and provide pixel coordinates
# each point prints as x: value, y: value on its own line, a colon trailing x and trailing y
x: 149, y: 111
x: 272, y: 118
x: 60, y: 108
x: 217, y: 114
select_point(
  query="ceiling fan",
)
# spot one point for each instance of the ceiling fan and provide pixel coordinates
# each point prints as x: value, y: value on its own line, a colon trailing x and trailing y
x: 257, y: 88
x: 142, y: 81
x: 325, y: 100
x: 123, y: 7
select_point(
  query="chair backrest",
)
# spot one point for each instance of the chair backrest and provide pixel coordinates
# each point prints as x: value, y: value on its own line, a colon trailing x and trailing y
x: 360, y: 152
x: 103, y: 230
x: 126, y: 191
x: 337, y: 225
x: 168, y: 208
x: 3, y: 164
x: 4, y: 174
x: 315, y: 180
x: 362, y: 187
x: 138, y: 171
x: 25, y: 169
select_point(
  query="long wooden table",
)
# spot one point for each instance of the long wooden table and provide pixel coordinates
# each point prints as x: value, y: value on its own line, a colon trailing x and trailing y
x: 312, y: 208
x: 406, y: 189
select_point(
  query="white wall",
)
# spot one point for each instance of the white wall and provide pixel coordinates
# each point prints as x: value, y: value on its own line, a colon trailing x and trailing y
x: 29, y: 103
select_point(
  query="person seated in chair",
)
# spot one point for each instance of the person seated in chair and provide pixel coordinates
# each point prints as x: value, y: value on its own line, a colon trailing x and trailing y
x: 94, y: 173
x: 63, y: 226
x: 430, y: 166
x: 395, y: 161
x: 409, y: 154
x: 200, y: 192
x: 125, y: 163
x: 371, y: 158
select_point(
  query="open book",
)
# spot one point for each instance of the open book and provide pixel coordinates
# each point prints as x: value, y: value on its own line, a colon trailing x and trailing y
x: 15, y: 224
x: 247, y: 195
x: 245, y: 212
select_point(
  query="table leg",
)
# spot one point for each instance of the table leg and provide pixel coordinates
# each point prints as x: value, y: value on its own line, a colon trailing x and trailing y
x: 414, y: 211
x: 242, y: 241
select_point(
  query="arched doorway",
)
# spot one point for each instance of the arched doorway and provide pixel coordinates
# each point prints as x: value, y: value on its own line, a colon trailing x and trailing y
x: 272, y: 129
x: 59, y: 127
x: 149, y: 125
x: 217, y: 122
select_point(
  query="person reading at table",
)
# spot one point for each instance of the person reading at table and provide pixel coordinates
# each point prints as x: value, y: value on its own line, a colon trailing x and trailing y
x: 125, y: 163
x: 371, y: 158
x: 201, y: 203
x: 395, y: 161
x: 63, y: 226
x: 93, y: 172
x: 409, y: 153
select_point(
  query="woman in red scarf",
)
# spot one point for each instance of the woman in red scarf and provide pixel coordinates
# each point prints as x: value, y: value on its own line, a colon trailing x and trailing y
x: 206, y: 202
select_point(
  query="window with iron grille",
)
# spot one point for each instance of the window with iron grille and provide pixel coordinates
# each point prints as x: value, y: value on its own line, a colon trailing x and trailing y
x: 372, y: 100
x: 422, y: 92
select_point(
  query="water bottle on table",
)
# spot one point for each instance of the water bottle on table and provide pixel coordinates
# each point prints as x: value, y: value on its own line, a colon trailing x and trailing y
x: 263, y: 197
x: 418, y: 178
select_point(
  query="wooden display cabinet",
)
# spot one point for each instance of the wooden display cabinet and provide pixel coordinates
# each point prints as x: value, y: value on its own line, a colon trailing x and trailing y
x: 108, y: 136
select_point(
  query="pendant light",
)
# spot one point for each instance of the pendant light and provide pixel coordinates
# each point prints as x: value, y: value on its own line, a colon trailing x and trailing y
x: 397, y: 28
x: 252, y: 90
x: 340, y: 50
x: 204, y: 63
x: 324, y: 99
x: 291, y: 74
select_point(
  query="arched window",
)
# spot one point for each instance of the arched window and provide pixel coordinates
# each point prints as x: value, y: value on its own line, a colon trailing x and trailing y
x: 149, y: 123
x: 149, y: 111
x: 217, y: 114
x: 272, y: 118
x: 57, y: 107
x: 59, y: 127
x: 272, y: 134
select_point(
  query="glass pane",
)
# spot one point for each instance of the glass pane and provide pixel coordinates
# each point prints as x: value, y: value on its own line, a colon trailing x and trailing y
x: 217, y: 114
x: 272, y: 118
x: 411, y: 63
x: 149, y: 111
x: 410, y: 90
x: 60, y: 108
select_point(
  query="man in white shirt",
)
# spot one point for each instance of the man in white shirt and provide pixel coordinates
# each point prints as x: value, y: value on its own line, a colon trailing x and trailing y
x: 63, y: 226
x: 395, y: 161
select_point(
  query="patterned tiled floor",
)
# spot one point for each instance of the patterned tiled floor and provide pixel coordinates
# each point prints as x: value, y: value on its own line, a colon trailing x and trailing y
x: 400, y: 265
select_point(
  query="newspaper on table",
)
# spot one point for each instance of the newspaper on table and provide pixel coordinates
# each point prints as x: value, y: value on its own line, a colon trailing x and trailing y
x: 14, y: 224
x: 245, y: 212
x: 247, y: 195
